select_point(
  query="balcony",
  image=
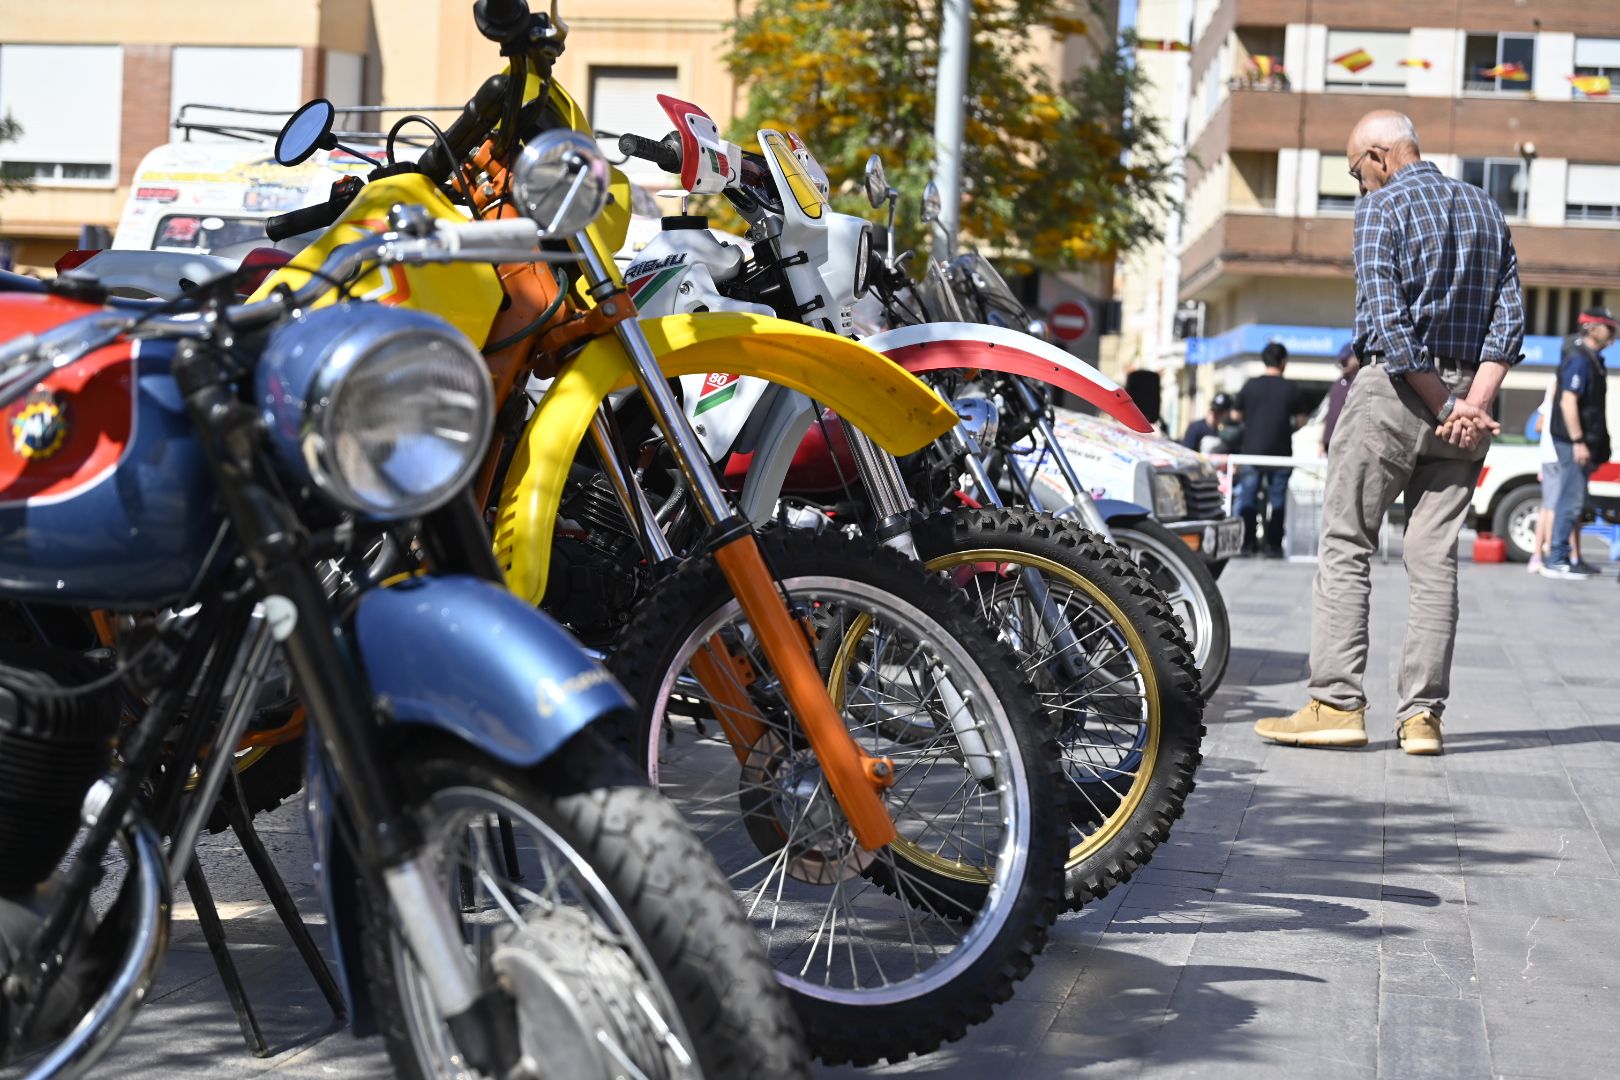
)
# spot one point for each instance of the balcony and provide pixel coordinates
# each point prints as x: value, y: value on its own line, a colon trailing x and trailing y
x: 1246, y: 244
x: 1477, y: 127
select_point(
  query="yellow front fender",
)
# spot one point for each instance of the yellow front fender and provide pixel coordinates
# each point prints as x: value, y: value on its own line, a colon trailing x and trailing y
x: 901, y: 414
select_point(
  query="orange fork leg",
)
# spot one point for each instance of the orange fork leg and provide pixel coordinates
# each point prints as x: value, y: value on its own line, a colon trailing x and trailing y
x: 714, y: 667
x: 854, y: 776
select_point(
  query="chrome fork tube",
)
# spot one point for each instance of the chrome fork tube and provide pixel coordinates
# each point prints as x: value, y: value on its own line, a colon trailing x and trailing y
x: 891, y: 502
x: 1066, y: 644
x: 666, y: 411
x: 632, y: 500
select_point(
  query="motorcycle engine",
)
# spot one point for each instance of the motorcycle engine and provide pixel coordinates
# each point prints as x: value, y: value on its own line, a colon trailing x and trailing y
x: 54, y: 744
x: 595, y: 561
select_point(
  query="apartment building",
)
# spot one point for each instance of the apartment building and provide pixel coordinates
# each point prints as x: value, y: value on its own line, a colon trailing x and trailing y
x: 1512, y: 96
x: 97, y: 84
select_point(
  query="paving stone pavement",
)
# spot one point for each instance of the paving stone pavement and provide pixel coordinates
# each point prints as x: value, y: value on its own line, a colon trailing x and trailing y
x: 1321, y: 913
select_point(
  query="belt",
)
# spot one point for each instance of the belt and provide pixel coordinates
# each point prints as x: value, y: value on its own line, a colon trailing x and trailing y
x: 1377, y: 357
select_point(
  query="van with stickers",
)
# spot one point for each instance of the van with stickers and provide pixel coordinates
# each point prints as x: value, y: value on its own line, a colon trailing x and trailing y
x: 212, y: 198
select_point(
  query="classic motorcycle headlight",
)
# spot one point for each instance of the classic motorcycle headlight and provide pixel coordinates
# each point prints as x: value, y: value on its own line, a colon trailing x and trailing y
x: 385, y: 410
x: 1169, y: 497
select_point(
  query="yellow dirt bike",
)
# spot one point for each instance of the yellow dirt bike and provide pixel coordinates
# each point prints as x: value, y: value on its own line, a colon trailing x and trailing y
x: 901, y: 883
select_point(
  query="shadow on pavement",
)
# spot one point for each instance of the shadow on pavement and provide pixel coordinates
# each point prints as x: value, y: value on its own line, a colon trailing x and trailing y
x: 1265, y: 667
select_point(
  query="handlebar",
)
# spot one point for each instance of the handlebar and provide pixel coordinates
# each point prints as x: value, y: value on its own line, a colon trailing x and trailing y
x: 305, y: 219
x: 475, y: 121
x: 27, y: 359
x: 665, y: 153
x: 502, y: 21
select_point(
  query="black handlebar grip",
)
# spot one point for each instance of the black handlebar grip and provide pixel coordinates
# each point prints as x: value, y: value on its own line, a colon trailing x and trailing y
x: 293, y: 222
x: 477, y: 117
x: 502, y: 20
x: 665, y: 154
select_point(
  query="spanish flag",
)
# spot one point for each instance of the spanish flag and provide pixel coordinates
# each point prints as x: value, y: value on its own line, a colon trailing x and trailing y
x: 1354, y: 61
x: 1417, y: 62
x: 1506, y: 72
x: 1267, y: 66
x: 1160, y: 45
x: 1591, y: 85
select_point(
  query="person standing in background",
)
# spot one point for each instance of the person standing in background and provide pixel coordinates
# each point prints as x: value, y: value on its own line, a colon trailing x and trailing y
x: 1579, y: 424
x: 1349, y: 364
x: 1270, y: 406
x: 1204, y: 434
x: 1439, y: 321
x: 1540, y: 429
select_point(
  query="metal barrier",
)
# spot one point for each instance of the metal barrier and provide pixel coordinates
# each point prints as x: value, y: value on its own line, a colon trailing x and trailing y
x: 1306, y: 484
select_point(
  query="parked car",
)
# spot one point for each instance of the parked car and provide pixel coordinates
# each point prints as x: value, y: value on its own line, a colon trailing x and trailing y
x: 1181, y: 487
x: 1508, y: 495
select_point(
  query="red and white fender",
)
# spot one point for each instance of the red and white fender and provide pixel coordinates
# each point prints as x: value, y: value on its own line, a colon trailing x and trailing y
x: 944, y: 345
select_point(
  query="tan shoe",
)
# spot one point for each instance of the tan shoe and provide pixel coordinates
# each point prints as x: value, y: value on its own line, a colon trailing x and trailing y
x: 1316, y: 725
x: 1420, y: 734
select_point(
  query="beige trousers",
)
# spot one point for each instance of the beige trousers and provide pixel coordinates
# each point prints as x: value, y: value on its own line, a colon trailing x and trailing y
x: 1384, y: 448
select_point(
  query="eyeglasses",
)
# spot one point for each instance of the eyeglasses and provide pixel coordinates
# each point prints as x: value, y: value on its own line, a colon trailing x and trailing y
x: 1355, y: 166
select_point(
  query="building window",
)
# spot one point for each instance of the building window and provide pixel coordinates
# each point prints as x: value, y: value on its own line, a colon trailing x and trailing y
x: 70, y: 126
x: 1597, y: 69
x: 1593, y: 193
x: 236, y: 78
x: 1504, y: 179
x: 1252, y: 184
x: 1336, y: 189
x: 1499, y: 63
x: 625, y: 100
x: 1366, y: 59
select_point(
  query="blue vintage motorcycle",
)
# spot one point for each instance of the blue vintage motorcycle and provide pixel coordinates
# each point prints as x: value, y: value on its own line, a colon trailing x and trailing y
x: 277, y: 490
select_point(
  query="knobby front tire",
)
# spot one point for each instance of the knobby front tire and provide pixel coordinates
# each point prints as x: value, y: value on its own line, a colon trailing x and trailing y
x: 1122, y: 691
x: 888, y: 953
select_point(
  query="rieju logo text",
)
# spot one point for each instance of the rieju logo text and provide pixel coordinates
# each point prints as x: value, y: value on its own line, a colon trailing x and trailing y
x: 645, y: 278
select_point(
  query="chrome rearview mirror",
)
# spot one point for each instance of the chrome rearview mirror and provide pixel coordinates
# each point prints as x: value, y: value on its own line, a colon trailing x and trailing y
x: 878, y: 190
x: 931, y: 204
x: 306, y: 131
x: 561, y: 181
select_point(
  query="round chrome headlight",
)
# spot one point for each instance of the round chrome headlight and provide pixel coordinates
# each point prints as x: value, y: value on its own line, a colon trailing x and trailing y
x: 863, y: 261
x: 393, y: 407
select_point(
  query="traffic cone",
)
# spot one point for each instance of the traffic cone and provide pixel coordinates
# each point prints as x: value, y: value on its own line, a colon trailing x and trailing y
x: 1489, y: 548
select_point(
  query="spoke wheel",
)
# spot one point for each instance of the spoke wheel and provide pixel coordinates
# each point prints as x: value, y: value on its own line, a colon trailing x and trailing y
x: 887, y: 952
x: 1188, y: 587
x: 1109, y: 664
x: 585, y: 903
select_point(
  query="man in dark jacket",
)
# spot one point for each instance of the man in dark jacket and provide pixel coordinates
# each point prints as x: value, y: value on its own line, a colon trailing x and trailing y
x: 1201, y: 431
x: 1580, y: 434
x: 1270, y: 405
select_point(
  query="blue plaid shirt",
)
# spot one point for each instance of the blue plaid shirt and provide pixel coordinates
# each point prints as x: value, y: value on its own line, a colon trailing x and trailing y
x: 1436, y: 274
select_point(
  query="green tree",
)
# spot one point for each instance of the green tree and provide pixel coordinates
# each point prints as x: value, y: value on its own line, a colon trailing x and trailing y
x: 10, y: 178
x: 1054, y: 173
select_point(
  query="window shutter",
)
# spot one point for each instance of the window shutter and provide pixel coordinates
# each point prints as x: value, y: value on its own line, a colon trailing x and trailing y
x: 68, y: 99
x: 625, y: 99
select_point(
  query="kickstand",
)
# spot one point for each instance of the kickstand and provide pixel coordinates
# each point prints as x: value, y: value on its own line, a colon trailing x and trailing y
x: 214, y: 933
x: 236, y: 813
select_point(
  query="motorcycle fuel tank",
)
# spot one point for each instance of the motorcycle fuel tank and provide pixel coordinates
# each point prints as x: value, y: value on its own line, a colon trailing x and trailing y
x: 105, y: 498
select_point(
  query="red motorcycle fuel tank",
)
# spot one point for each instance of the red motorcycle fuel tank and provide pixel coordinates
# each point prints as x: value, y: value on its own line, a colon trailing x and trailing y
x: 105, y: 498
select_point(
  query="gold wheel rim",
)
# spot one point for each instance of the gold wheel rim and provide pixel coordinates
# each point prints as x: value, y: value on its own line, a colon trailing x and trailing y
x: 1132, y: 798
x: 916, y: 854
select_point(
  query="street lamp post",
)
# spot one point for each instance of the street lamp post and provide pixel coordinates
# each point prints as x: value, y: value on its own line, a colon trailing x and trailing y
x: 950, y: 96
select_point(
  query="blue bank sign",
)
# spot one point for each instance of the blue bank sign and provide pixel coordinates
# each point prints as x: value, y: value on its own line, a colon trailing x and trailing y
x: 1326, y: 341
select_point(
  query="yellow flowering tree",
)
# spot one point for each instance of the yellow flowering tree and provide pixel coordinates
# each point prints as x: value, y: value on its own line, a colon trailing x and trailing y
x: 1056, y: 172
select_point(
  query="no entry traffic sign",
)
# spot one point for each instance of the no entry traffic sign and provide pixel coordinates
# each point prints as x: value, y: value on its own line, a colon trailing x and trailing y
x: 1070, y: 320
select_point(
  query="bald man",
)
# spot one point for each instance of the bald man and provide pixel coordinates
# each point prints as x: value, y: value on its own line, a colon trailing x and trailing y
x: 1439, y: 320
